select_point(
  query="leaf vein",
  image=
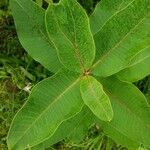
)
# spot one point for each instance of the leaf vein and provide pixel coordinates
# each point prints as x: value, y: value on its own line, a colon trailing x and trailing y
x: 48, y: 106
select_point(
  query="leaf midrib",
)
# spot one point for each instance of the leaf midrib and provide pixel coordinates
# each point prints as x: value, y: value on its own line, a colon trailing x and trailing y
x: 117, y: 12
x: 96, y: 97
x: 75, y: 47
x: 75, y: 39
x: 139, y: 61
x: 118, y: 43
x: 48, y: 106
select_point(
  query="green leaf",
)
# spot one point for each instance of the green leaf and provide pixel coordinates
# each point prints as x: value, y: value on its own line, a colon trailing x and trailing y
x: 85, y: 120
x: 138, y: 68
x: 39, y: 2
x: 95, y: 98
x: 69, y: 29
x: 131, y: 113
x: 125, y: 34
x: 118, y: 136
x: 51, y: 102
x: 74, y: 129
x: 105, y: 11
x: 30, y: 24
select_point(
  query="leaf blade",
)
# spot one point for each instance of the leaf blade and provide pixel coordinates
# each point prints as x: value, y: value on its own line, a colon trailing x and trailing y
x: 30, y: 24
x: 44, y: 111
x: 138, y: 67
x: 95, y: 98
x: 68, y: 27
x: 124, y: 35
x: 73, y: 129
x: 131, y: 112
x: 105, y: 10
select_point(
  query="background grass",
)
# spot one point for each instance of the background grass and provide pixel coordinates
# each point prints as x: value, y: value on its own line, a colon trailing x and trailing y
x: 19, y: 73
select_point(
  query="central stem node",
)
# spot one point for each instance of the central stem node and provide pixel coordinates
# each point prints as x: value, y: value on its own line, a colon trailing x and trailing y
x: 87, y: 72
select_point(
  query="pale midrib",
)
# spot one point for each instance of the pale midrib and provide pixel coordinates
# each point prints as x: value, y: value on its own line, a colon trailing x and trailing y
x: 40, y: 31
x: 118, y: 43
x: 117, y: 12
x: 126, y: 107
x: 51, y: 104
x: 140, y: 60
x: 96, y: 97
x: 76, y: 50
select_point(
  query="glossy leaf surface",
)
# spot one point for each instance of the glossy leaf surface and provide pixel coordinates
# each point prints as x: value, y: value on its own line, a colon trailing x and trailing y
x: 50, y: 103
x: 95, y: 98
x: 69, y: 29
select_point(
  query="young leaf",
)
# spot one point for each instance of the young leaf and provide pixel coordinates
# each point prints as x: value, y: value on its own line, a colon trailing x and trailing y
x: 68, y: 28
x: 95, y: 98
x: 138, y: 68
x: 131, y: 112
x: 30, y: 24
x: 51, y: 102
x: 121, y: 37
x: 104, y: 11
x: 74, y: 129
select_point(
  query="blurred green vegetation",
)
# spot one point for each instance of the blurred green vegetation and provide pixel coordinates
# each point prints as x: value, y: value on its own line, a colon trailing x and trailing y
x: 19, y: 73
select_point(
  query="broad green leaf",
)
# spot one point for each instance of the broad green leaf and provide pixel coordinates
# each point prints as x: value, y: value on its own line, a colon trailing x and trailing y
x: 118, y: 136
x: 74, y: 129
x: 95, y: 98
x: 131, y: 113
x: 69, y: 29
x: 51, y: 102
x: 30, y: 24
x: 104, y: 11
x: 124, y: 35
x: 138, y: 68
x: 84, y: 122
